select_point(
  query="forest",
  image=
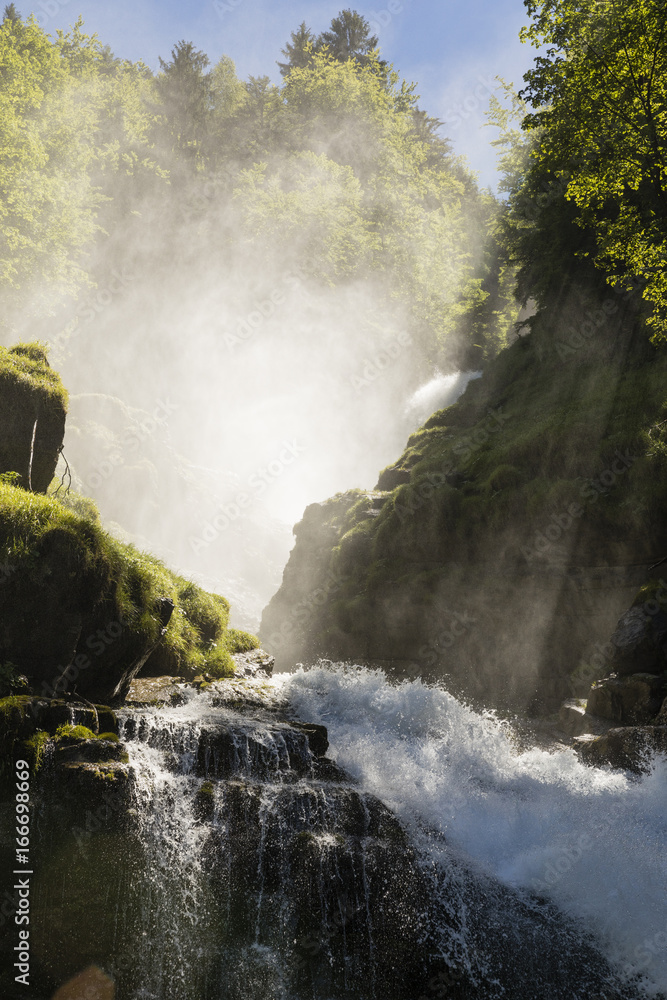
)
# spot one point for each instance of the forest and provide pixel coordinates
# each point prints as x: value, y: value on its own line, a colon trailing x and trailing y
x: 341, y: 163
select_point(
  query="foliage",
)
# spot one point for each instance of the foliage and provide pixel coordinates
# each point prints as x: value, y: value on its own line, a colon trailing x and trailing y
x: 340, y: 156
x: 348, y: 37
x: 12, y: 681
x: 68, y: 116
x: 598, y: 94
x: 299, y: 51
x: 185, y: 93
x: 237, y: 641
x: 69, y: 732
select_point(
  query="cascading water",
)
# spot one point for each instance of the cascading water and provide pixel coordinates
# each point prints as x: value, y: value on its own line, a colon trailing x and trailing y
x: 266, y: 872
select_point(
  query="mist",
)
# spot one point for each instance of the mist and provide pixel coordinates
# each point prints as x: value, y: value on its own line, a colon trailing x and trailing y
x: 209, y: 408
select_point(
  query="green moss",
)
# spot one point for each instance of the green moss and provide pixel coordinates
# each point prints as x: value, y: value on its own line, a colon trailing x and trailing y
x: 34, y: 748
x: 69, y: 732
x: 110, y: 737
x: 237, y: 641
x: 218, y: 663
x: 25, y: 367
x: 42, y: 538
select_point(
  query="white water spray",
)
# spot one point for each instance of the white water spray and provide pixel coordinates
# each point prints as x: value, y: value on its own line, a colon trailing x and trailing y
x: 591, y: 840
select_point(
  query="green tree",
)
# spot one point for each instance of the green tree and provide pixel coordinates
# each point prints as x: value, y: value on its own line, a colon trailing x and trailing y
x: 349, y: 37
x: 47, y: 201
x: 185, y: 91
x: 598, y: 93
x: 11, y: 13
x: 299, y: 51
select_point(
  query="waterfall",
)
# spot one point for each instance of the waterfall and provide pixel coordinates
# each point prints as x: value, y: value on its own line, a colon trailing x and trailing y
x: 432, y: 858
x: 267, y: 872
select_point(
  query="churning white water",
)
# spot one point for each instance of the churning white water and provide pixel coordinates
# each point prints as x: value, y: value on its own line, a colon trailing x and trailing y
x: 592, y: 841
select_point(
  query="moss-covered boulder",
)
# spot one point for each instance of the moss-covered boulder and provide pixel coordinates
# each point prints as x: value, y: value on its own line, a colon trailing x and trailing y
x: 33, y: 407
x: 82, y: 613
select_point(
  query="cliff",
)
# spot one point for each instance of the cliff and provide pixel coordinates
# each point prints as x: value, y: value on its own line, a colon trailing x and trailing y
x: 500, y: 549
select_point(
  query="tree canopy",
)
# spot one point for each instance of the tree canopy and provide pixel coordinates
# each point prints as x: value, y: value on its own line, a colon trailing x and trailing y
x: 597, y: 117
x: 336, y: 173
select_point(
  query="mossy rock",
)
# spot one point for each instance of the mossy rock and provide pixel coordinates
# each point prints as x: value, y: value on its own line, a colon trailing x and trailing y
x: 84, y: 612
x: 33, y: 402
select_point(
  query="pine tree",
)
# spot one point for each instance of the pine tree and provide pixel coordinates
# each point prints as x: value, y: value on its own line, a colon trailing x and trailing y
x: 185, y: 90
x: 299, y: 52
x: 349, y: 37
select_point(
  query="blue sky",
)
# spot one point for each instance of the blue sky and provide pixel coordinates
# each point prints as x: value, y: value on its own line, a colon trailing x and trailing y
x: 453, y: 49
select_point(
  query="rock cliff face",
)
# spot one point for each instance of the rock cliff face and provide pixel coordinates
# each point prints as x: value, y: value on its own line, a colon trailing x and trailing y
x: 501, y: 548
x: 33, y: 406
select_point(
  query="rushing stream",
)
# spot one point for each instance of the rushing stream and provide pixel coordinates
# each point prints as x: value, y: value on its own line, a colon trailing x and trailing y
x: 433, y: 858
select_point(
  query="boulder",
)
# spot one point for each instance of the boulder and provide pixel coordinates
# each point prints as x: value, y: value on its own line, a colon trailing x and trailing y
x: 574, y: 719
x: 255, y: 662
x: 640, y: 641
x: 630, y: 700
x: 630, y: 747
x: 33, y: 407
x: 572, y: 715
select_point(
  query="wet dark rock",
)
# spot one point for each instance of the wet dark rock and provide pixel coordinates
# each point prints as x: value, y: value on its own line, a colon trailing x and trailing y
x: 629, y: 748
x: 640, y: 642
x: 96, y: 751
x: 633, y: 699
x: 318, y: 739
x: 572, y: 716
x: 328, y: 770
